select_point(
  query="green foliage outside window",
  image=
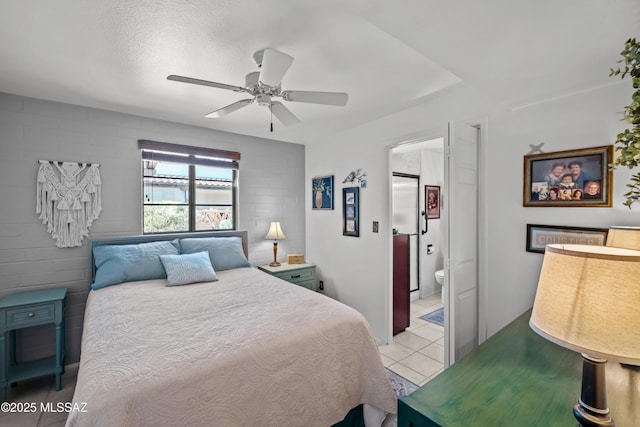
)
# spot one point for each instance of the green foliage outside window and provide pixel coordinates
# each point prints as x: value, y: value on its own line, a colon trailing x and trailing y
x: 166, y: 219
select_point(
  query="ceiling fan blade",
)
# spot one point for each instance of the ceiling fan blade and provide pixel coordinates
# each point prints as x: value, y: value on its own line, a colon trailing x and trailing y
x: 274, y: 66
x: 283, y: 114
x: 229, y: 108
x: 325, y: 98
x: 182, y: 79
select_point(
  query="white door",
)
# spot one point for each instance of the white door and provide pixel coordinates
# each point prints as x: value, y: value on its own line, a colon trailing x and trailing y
x: 461, y: 253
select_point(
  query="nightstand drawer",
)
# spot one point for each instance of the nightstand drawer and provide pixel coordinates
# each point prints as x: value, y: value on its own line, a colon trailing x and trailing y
x: 309, y: 284
x: 297, y: 276
x: 30, y: 316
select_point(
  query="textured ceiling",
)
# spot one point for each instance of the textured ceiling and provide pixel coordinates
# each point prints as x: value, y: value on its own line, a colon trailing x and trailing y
x: 388, y: 56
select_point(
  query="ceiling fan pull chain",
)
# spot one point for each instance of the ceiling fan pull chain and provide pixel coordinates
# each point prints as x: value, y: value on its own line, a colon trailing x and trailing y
x: 271, y: 110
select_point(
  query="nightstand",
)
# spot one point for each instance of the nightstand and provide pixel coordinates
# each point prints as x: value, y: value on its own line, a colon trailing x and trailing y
x: 300, y: 274
x: 24, y: 310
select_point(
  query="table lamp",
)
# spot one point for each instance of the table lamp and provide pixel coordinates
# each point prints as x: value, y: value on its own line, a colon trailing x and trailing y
x: 275, y: 233
x: 624, y: 237
x: 588, y: 300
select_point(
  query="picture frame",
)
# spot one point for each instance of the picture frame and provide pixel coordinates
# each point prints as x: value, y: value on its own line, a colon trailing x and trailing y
x: 538, y: 236
x: 351, y: 211
x: 432, y: 201
x: 322, y: 193
x: 590, y: 183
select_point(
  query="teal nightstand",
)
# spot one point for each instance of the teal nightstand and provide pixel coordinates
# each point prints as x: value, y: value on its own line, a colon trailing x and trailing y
x: 23, y: 310
x: 300, y: 274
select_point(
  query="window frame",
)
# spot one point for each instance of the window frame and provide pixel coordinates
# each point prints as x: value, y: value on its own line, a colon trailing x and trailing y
x: 191, y: 156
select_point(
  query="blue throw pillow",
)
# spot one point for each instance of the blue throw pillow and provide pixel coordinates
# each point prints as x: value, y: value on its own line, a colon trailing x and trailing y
x: 127, y: 263
x: 188, y: 268
x: 225, y: 252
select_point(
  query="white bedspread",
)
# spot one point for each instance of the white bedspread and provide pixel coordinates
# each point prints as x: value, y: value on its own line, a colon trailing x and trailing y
x: 248, y: 350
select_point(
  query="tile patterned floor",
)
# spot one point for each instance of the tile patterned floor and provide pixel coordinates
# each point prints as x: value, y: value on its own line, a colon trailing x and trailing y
x: 417, y: 353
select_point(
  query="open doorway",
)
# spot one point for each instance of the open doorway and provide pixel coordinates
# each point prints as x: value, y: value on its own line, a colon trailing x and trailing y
x: 417, y: 353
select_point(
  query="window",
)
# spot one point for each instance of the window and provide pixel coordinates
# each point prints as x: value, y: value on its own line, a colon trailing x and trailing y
x: 187, y: 188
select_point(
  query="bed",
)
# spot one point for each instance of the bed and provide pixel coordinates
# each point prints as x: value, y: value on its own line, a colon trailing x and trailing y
x: 243, y: 348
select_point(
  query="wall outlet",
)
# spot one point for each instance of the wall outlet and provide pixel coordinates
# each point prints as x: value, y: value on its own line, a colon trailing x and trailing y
x: 321, y: 285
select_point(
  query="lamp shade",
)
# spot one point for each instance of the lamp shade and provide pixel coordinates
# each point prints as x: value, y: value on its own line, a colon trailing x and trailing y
x: 624, y: 237
x: 588, y: 300
x: 275, y: 232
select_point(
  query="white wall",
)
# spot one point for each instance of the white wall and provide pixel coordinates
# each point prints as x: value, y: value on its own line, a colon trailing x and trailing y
x: 358, y: 270
x: 432, y: 174
x: 271, y: 184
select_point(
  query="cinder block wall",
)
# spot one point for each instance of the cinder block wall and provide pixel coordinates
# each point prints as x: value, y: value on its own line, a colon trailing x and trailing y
x: 271, y: 188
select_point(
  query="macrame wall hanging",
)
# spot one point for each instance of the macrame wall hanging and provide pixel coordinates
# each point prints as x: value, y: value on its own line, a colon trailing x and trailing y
x: 68, y: 199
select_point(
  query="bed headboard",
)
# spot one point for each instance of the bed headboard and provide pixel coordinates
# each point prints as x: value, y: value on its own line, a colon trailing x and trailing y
x: 132, y: 240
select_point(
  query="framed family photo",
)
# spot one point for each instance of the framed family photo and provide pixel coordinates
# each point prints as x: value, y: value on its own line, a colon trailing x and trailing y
x: 573, y: 178
x: 539, y: 236
x: 432, y: 201
x: 350, y: 212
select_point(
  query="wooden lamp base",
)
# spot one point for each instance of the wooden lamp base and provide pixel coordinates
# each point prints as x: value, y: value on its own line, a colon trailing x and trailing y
x: 275, y: 263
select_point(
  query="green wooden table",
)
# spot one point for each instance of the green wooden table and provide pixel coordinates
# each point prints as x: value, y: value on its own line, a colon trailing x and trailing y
x: 516, y: 378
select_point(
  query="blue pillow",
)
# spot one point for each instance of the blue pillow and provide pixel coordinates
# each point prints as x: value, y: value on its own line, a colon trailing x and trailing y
x: 127, y: 263
x: 188, y: 268
x: 225, y: 252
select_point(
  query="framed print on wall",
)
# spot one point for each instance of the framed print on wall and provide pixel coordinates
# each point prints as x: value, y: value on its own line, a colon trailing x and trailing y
x: 573, y: 178
x: 432, y: 201
x: 350, y: 212
x: 539, y: 236
x: 322, y: 192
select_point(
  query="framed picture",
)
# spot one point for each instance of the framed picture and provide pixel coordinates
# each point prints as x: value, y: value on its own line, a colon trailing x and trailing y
x: 350, y: 212
x: 539, y: 236
x: 574, y: 178
x: 322, y: 192
x: 432, y: 201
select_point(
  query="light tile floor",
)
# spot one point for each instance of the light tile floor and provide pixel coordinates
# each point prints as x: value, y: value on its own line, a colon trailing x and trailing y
x: 417, y: 353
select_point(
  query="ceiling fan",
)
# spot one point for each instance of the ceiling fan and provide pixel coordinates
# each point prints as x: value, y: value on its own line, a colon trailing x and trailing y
x: 264, y: 85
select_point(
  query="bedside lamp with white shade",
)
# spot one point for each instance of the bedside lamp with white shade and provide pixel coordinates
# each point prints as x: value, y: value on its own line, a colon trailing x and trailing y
x: 275, y: 233
x: 588, y: 300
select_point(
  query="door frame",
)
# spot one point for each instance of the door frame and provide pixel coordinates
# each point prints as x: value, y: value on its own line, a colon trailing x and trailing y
x: 483, y: 220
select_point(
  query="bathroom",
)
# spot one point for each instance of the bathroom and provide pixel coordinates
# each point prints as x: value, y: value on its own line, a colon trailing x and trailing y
x: 417, y: 352
x: 424, y: 159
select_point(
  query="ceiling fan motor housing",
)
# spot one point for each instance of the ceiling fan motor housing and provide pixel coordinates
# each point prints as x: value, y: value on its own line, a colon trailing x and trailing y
x: 263, y: 99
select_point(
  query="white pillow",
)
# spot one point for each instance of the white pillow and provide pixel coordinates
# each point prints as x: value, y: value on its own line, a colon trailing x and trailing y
x: 188, y: 268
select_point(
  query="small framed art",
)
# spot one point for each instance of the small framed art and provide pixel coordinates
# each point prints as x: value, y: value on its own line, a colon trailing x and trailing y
x: 322, y: 192
x: 432, y: 201
x: 350, y: 212
x: 539, y: 236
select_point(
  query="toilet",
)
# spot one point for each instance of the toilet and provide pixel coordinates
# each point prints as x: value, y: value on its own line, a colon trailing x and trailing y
x: 440, y: 279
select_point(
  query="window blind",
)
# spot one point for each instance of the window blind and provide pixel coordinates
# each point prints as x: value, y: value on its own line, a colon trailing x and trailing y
x: 176, y: 153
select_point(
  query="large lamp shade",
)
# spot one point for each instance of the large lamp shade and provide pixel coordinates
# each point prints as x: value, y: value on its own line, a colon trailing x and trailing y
x: 588, y: 300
